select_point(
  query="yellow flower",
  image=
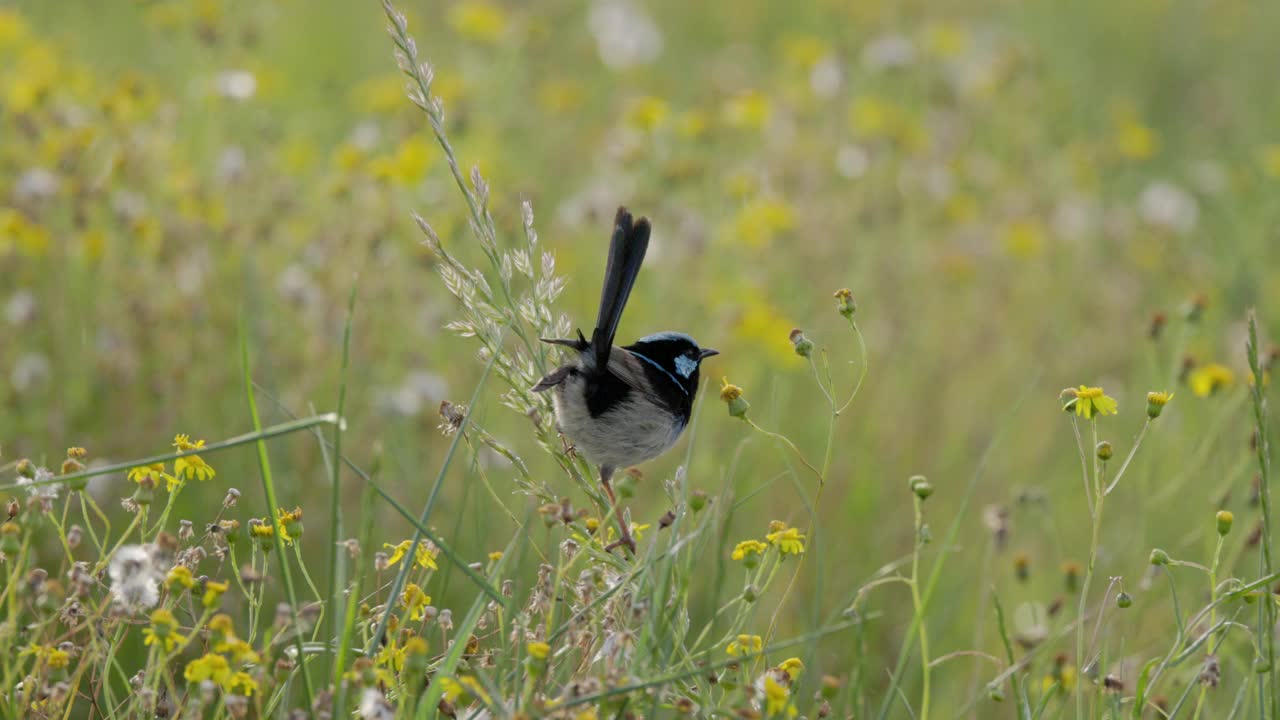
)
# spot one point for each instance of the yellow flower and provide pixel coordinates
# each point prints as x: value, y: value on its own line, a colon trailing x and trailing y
x: 424, y: 556
x: 239, y: 650
x: 415, y: 601
x: 777, y: 697
x: 761, y: 221
x: 945, y: 40
x: 1065, y: 678
x: 58, y: 659
x: 762, y: 325
x: 289, y: 524
x: 154, y: 472
x: 636, y: 532
x: 747, y: 548
x: 692, y: 124
x: 244, y: 681
x: 13, y: 28
x: 180, y: 575
x: 1209, y: 379
x: 749, y: 110
x: 1089, y: 401
x: 745, y: 645
x: 463, y: 690
x: 559, y: 96
x: 789, y: 540
x: 478, y: 20
x: 1156, y: 402
x: 35, y: 650
x: 731, y: 395
x: 190, y: 466
x: 221, y: 624
x: 804, y: 51
x: 495, y: 556
x: 538, y: 650
x: 211, y: 666
x: 408, y: 166
x: 871, y: 117
x: 792, y: 667
x: 163, y: 631
x: 1135, y: 140
x: 380, y: 94
x: 1269, y: 158
x: 1024, y: 239
x: 213, y: 591
x: 182, y: 442
x: 648, y: 113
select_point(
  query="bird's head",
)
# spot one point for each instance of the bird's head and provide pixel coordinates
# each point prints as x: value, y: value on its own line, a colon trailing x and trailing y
x: 675, y: 354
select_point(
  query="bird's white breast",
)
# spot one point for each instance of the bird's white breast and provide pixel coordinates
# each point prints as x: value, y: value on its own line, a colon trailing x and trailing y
x: 634, y: 431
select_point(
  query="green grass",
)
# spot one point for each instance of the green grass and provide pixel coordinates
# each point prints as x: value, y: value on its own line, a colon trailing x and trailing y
x: 995, y: 205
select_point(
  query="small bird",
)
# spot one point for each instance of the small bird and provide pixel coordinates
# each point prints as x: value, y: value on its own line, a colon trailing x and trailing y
x: 621, y: 406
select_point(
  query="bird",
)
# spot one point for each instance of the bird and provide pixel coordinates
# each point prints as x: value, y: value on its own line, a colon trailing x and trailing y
x: 622, y: 406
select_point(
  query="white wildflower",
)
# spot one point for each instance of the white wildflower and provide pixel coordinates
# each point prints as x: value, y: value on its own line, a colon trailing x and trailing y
x: 28, y: 370
x: 373, y: 706
x: 889, y: 51
x: 239, y: 85
x: 852, y: 161
x: 20, y: 308
x: 1168, y: 206
x: 826, y: 76
x: 36, y: 184
x: 625, y: 35
x: 135, y: 578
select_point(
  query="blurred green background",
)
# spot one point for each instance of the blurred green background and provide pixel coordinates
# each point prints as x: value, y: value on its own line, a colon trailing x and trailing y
x: 1011, y: 189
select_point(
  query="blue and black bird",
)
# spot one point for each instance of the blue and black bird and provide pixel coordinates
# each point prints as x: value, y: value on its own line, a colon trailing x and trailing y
x: 621, y: 406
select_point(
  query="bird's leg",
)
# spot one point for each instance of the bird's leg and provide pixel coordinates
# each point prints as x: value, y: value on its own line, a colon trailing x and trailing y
x: 606, y: 475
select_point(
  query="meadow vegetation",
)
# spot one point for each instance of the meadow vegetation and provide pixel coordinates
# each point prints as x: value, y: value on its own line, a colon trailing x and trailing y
x: 275, y: 274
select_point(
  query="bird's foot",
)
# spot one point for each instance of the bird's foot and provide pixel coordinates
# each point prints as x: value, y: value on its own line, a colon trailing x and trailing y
x: 625, y: 540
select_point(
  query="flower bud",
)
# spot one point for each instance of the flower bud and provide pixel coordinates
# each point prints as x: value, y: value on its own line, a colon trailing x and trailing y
x: 1105, y: 451
x: 1156, y: 402
x: 750, y: 594
x: 995, y: 691
x: 830, y: 686
x: 1022, y: 566
x: 1194, y: 309
x: 25, y: 468
x: 731, y: 395
x: 1156, y: 329
x: 10, y: 541
x: 1159, y: 557
x: 922, y: 489
x: 844, y: 302
x: 803, y: 345
x: 1124, y: 600
x: 146, y: 491
x: 1225, y: 518
x: 698, y: 500
x: 1071, y: 575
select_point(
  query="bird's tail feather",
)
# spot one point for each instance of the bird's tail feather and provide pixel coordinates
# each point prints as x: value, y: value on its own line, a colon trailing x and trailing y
x: 626, y: 254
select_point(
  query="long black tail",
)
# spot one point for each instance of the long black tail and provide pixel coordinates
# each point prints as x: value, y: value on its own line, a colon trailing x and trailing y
x: 626, y: 254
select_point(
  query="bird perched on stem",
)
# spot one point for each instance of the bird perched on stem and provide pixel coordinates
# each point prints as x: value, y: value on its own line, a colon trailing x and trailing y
x: 621, y: 406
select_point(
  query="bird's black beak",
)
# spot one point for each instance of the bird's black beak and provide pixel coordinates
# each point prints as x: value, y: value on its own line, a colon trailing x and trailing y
x: 706, y: 353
